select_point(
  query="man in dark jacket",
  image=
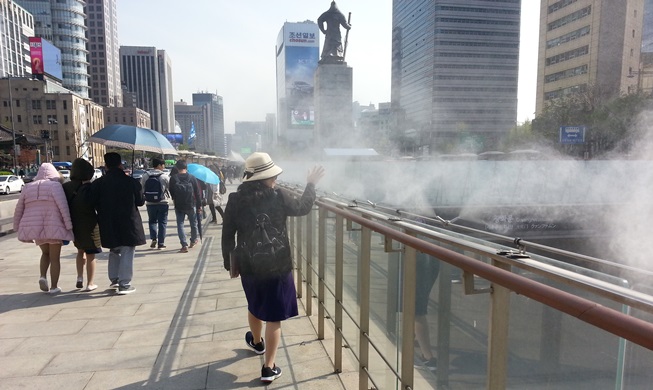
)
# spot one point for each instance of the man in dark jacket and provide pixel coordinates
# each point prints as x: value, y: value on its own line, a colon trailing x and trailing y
x: 116, y: 198
x: 187, y: 199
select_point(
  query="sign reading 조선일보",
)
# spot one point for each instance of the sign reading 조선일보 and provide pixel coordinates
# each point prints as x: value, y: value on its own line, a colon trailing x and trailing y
x: 572, y: 134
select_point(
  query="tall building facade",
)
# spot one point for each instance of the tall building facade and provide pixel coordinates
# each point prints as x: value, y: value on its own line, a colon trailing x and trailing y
x: 194, y: 122
x: 213, y: 140
x: 42, y: 106
x: 297, y: 56
x: 455, y: 71
x: 16, y: 26
x: 63, y: 23
x: 588, y: 45
x: 103, y: 52
x: 146, y: 72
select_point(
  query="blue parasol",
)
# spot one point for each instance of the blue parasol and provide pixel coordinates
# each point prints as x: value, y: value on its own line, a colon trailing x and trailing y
x: 203, y: 173
x: 133, y: 138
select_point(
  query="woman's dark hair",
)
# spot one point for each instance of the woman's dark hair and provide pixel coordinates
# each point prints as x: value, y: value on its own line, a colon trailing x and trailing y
x: 255, y: 191
x: 81, y: 170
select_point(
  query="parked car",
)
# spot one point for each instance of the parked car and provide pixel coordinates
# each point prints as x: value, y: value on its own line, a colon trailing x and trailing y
x: 65, y: 173
x: 138, y: 173
x: 29, y: 177
x: 11, y: 183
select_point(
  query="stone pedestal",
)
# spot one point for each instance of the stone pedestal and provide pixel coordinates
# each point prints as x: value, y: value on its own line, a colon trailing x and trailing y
x: 334, y: 122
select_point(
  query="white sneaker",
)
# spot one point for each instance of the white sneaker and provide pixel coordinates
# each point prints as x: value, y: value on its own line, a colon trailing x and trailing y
x: 55, y: 290
x: 43, y: 284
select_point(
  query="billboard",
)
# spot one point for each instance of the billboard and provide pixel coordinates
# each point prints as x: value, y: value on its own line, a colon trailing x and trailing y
x: 302, y: 117
x: 46, y: 58
x: 301, y: 64
x: 570, y: 135
x: 175, y: 138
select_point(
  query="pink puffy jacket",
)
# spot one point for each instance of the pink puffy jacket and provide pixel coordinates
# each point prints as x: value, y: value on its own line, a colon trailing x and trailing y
x: 42, y: 210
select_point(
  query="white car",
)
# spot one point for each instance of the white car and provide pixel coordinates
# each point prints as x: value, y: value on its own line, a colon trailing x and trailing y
x: 65, y: 173
x: 11, y: 183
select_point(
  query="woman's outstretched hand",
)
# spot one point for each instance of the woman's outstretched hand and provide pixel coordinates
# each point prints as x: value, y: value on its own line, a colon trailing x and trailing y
x: 315, y: 174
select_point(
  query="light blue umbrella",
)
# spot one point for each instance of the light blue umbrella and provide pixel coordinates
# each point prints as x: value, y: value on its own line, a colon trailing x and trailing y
x: 133, y: 138
x: 203, y: 173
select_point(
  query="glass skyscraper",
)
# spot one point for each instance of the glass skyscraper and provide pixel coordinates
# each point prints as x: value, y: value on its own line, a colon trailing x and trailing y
x: 62, y: 22
x: 455, y: 71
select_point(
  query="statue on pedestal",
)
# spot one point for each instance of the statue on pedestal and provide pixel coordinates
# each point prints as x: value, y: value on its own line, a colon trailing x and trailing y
x: 332, y: 51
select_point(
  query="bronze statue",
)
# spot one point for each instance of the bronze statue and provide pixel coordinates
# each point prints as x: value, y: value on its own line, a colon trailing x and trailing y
x: 332, y: 51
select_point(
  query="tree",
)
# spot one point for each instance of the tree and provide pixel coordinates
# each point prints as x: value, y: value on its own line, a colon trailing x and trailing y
x: 610, y: 123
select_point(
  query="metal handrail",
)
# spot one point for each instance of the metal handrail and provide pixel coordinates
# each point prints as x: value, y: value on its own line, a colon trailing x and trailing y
x: 638, y: 331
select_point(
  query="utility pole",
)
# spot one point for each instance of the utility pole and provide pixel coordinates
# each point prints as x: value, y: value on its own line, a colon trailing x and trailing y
x: 13, y: 128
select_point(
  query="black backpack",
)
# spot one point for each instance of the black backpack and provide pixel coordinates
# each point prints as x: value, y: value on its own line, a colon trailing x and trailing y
x: 265, y: 249
x: 153, y: 188
x: 182, y: 192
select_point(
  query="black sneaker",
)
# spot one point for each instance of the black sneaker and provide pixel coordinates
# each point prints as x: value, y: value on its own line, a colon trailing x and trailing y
x: 124, y: 290
x: 114, y: 284
x: 161, y: 246
x: 153, y: 244
x: 259, y: 348
x: 269, y: 374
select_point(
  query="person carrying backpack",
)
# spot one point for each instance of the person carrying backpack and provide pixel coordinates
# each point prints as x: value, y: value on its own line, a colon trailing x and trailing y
x: 155, y: 190
x: 255, y: 217
x: 184, y: 190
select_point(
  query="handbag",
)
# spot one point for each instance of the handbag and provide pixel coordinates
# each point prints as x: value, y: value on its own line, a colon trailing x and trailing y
x: 234, y: 267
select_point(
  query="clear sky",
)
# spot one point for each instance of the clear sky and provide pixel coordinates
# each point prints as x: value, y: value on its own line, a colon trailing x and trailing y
x: 227, y: 47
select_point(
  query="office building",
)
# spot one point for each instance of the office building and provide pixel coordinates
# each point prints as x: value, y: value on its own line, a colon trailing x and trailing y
x: 297, y: 56
x: 61, y: 118
x: 588, y: 46
x: 211, y: 141
x: 146, y: 72
x: 194, y: 122
x: 103, y: 52
x: 63, y: 23
x: 454, y: 71
x: 16, y: 26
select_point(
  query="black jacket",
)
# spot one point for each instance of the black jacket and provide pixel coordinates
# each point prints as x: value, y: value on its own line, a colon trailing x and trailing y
x: 240, y: 217
x: 116, y: 197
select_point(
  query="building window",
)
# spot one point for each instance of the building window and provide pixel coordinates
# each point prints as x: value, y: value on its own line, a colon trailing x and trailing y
x: 65, y: 104
x: 19, y: 119
x: 37, y: 119
x: 36, y: 104
x: 65, y: 119
x: 17, y: 103
x: 67, y: 149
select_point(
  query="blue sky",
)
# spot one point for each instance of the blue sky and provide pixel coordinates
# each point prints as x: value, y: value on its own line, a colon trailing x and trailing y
x: 227, y: 47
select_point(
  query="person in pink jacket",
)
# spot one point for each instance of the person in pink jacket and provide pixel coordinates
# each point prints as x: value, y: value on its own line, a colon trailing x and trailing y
x: 42, y: 216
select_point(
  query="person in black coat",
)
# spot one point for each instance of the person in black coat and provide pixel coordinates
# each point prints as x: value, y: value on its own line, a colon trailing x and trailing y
x: 270, y: 290
x: 116, y: 197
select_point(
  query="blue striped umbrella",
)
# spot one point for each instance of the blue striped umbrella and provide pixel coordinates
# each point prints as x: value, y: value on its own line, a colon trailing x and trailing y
x: 133, y: 138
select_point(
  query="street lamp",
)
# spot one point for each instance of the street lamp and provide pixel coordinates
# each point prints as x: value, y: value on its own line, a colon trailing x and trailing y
x: 13, y: 129
x: 48, y: 137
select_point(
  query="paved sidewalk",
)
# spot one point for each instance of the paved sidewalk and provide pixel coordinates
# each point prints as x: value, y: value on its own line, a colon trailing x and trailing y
x: 183, y: 328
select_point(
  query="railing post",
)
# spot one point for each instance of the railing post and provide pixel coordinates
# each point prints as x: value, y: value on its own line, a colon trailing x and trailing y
x: 309, y: 263
x: 321, y: 291
x: 497, y: 364
x: 339, y: 291
x: 365, y: 269
x: 408, y: 318
x: 299, y: 244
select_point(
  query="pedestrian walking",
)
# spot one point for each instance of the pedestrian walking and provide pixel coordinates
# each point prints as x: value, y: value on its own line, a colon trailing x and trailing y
x: 84, y: 217
x: 155, y: 185
x: 268, y: 283
x: 184, y: 190
x: 42, y: 216
x: 116, y: 198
